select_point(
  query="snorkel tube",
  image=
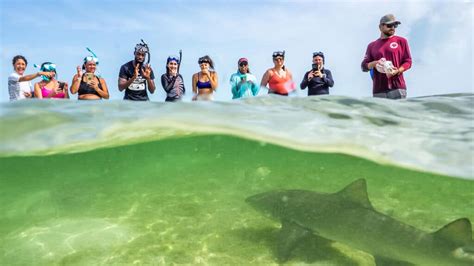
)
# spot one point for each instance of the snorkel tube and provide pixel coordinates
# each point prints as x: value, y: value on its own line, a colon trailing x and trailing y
x: 91, y: 58
x: 180, y: 58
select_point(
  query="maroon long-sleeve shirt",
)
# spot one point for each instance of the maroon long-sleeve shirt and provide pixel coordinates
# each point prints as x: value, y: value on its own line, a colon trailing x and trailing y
x: 393, y: 49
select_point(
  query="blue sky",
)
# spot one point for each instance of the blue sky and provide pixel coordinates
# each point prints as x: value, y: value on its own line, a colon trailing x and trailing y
x: 440, y: 34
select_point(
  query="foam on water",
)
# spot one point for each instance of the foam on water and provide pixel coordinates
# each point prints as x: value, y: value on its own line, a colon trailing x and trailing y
x: 433, y: 134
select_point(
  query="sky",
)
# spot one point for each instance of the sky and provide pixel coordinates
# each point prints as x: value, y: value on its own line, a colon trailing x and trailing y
x: 440, y: 35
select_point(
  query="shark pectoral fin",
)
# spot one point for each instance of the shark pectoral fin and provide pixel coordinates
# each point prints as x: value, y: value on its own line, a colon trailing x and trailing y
x: 357, y: 192
x: 458, y: 232
x: 289, y: 237
x: 383, y: 261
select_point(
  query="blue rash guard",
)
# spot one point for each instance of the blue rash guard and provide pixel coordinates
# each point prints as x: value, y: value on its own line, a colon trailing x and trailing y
x: 243, y: 89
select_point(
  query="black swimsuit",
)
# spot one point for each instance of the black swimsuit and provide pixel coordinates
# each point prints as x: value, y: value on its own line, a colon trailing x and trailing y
x: 86, y: 89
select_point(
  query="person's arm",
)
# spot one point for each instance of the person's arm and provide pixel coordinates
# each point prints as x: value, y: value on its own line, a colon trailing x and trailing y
x: 182, y: 81
x: 368, y: 63
x: 76, y: 81
x: 149, y: 77
x: 214, y: 80
x: 304, y: 82
x: 195, y: 89
x: 33, y: 76
x: 265, y: 79
x: 233, y: 86
x: 327, y: 78
x: 406, y: 59
x: 38, y: 93
x: 65, y: 90
x: 167, y: 85
x: 104, y: 92
x: 292, y: 83
x: 123, y: 82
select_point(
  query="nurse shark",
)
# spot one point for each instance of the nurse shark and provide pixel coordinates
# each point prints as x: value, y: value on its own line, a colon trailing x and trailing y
x: 348, y: 217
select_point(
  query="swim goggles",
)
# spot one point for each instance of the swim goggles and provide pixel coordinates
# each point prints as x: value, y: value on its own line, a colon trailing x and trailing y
x: 172, y: 58
x: 278, y: 53
x: 318, y: 54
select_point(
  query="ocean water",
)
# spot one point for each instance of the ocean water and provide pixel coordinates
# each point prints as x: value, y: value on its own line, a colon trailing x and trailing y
x: 113, y: 182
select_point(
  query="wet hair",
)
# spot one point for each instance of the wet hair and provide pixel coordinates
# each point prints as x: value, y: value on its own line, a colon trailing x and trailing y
x: 18, y: 57
x: 207, y: 58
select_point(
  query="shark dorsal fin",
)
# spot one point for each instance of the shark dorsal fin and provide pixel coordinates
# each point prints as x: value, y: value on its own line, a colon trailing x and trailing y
x: 357, y: 192
x: 458, y: 231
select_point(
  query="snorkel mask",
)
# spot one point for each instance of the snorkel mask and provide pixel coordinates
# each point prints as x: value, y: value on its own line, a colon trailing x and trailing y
x: 172, y: 58
x: 92, y: 57
x: 46, y: 67
x: 143, y: 48
x: 279, y: 53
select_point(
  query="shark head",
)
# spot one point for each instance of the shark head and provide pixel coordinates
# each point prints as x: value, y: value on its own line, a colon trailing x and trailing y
x: 273, y: 204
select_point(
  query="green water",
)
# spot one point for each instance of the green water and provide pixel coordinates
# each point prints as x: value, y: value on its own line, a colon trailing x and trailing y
x: 181, y: 201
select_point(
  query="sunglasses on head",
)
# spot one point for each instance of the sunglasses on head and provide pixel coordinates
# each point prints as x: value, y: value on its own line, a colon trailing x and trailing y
x: 393, y: 25
x: 202, y: 61
x: 279, y: 53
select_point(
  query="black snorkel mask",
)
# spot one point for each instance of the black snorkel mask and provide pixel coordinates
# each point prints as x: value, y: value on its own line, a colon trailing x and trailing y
x: 143, y: 48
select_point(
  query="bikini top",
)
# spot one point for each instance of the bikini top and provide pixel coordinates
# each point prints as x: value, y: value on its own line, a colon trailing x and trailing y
x: 45, y: 92
x: 203, y: 85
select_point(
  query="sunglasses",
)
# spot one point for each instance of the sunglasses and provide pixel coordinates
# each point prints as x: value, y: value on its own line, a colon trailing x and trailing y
x: 394, y: 25
x: 91, y: 58
x: 279, y: 53
x: 243, y: 64
x: 202, y: 61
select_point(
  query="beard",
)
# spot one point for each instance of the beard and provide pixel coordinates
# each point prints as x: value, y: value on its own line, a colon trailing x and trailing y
x: 389, y: 33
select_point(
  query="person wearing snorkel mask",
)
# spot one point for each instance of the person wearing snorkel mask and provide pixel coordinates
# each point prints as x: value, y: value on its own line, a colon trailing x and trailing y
x: 318, y: 79
x: 19, y: 85
x: 87, y: 84
x: 278, y: 78
x: 172, y: 82
x: 136, y: 77
x: 49, y: 87
x: 205, y: 82
x: 243, y: 83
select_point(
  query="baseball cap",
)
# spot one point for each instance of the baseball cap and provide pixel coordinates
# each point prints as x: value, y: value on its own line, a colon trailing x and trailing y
x: 243, y: 60
x: 389, y: 19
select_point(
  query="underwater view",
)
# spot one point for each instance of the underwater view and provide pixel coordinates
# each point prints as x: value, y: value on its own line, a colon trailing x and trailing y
x: 317, y: 180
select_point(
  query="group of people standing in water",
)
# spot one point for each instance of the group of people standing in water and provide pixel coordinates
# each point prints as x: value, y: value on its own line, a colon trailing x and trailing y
x: 136, y: 77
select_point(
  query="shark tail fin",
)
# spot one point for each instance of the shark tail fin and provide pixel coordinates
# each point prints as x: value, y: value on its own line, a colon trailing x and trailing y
x: 458, y: 232
x: 357, y: 192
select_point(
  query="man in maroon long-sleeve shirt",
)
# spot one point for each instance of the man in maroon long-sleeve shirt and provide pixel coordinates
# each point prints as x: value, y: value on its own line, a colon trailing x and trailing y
x: 392, y: 48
